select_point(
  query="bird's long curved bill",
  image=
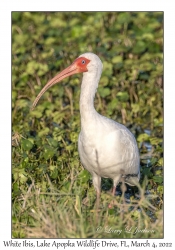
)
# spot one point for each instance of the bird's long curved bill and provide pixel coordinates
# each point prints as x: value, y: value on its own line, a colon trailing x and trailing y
x: 71, y: 70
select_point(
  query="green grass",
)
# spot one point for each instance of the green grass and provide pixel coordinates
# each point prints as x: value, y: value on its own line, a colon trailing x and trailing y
x: 64, y: 215
x: 52, y: 195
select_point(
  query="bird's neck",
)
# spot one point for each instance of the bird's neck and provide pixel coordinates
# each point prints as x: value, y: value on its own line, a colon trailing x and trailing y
x: 88, y: 89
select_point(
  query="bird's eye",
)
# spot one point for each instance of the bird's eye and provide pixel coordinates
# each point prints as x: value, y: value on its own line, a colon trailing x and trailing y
x: 83, y: 61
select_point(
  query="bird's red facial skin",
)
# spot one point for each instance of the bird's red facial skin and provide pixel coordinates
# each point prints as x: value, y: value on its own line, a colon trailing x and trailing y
x: 81, y: 64
x: 78, y: 66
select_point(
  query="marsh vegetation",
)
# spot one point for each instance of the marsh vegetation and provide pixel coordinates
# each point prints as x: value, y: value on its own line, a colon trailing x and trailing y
x: 52, y: 194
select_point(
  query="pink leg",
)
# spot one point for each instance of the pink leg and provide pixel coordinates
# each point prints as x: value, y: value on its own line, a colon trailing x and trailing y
x: 113, y: 191
x: 98, y: 200
x: 111, y: 204
x: 97, y: 185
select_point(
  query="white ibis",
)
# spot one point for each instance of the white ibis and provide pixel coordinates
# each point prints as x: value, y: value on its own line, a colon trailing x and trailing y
x: 106, y: 148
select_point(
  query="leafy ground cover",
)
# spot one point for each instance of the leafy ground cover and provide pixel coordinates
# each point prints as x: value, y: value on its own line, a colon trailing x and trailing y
x: 52, y: 195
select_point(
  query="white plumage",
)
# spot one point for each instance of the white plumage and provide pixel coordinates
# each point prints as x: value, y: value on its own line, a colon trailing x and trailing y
x: 106, y: 148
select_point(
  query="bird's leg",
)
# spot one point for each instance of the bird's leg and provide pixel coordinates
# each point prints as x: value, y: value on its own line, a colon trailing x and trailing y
x: 97, y: 184
x: 115, y: 182
x: 113, y: 190
x: 97, y: 200
x: 111, y: 204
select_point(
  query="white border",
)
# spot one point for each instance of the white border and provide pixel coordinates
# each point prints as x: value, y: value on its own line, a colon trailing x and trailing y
x: 5, y: 93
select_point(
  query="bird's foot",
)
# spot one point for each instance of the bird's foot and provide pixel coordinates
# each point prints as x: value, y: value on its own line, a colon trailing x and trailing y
x: 111, y: 205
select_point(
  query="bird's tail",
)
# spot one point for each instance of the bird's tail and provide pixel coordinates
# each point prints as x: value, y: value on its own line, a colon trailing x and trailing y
x: 132, y: 179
